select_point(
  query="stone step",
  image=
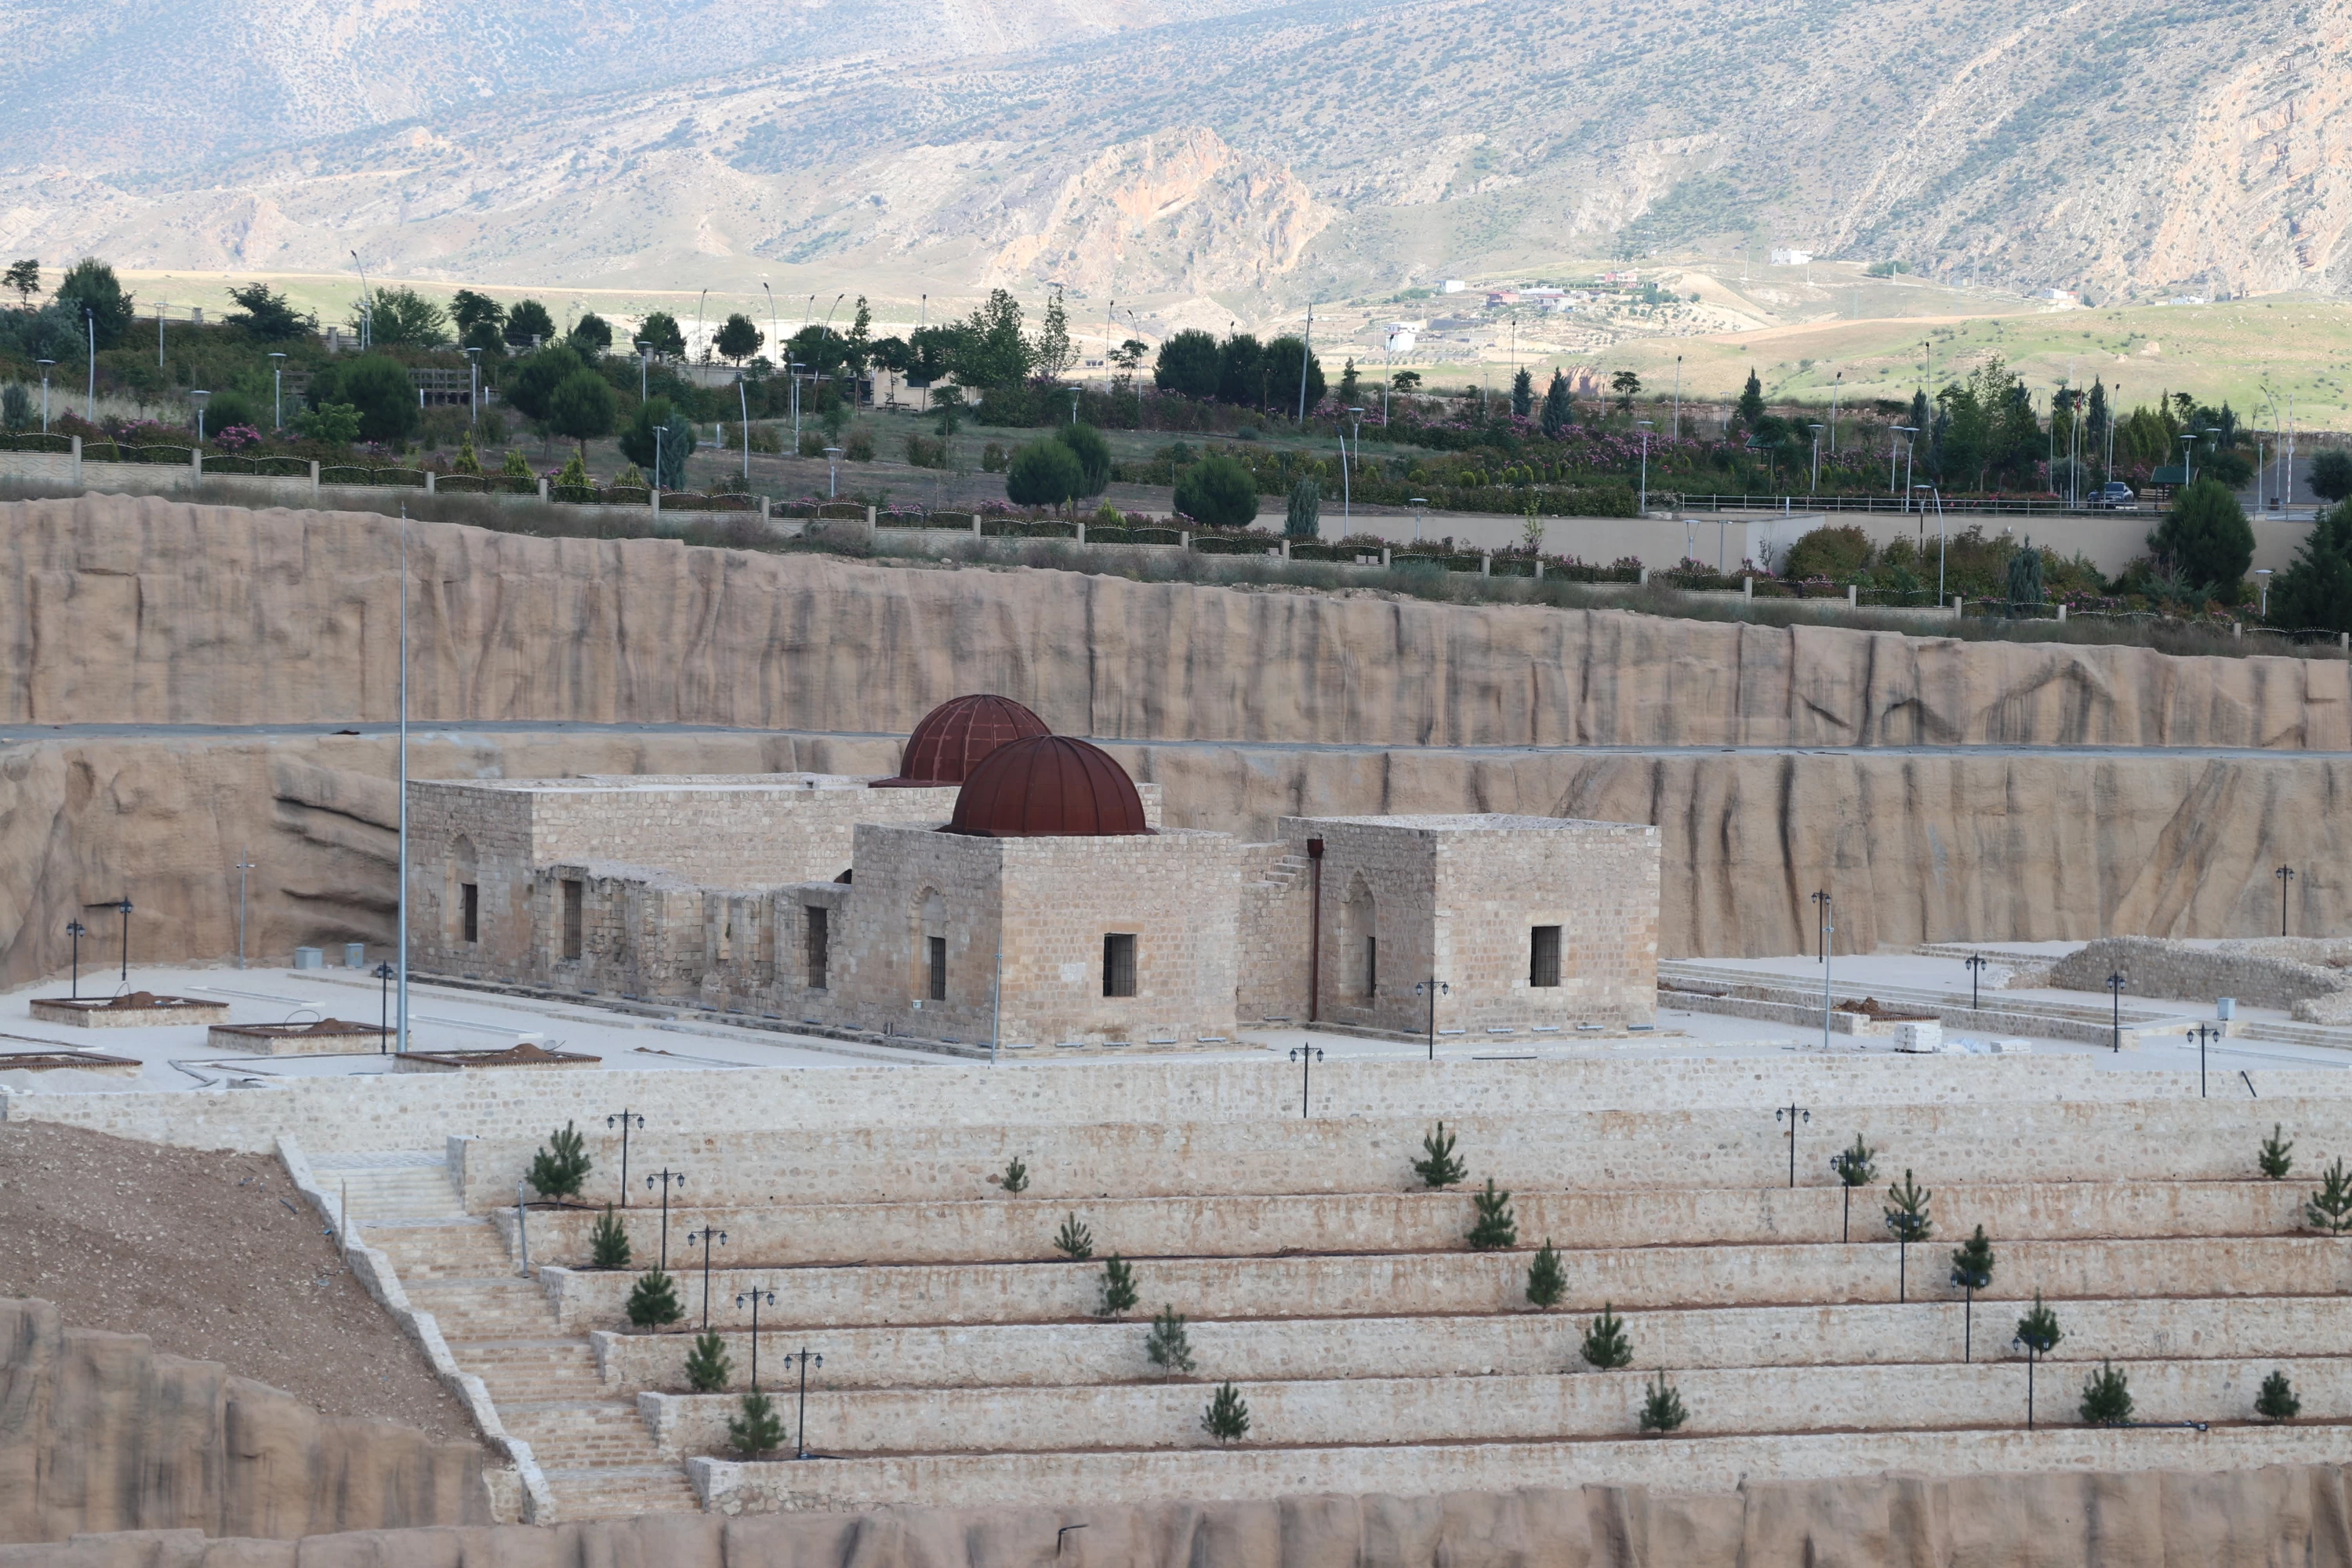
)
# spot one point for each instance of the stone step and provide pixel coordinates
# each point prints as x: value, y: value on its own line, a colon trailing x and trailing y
x: 377, y: 1192
x: 1501, y: 1409
x: 1421, y: 1284
x: 1263, y: 1467
x: 1518, y: 1343
x: 574, y: 1435
x: 1009, y: 1229
x: 1951, y: 1144
x: 511, y: 1309
x: 620, y: 1492
x: 553, y: 1370
x: 456, y: 1248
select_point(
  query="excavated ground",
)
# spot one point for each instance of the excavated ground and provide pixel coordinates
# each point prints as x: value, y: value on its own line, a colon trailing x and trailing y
x: 215, y: 1258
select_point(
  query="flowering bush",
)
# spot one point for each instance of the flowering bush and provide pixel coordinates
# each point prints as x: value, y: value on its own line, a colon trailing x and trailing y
x: 236, y: 437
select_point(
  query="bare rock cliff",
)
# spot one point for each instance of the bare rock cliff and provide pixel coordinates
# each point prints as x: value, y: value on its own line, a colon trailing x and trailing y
x: 97, y: 1433
x: 116, y: 609
x: 2285, y: 1515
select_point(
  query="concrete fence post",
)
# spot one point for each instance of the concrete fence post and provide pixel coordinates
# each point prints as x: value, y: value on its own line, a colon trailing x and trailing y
x: 1388, y: 556
x: 428, y: 483
x: 975, y: 525
x: 767, y: 507
x: 2237, y: 628
x: 1539, y: 568
x: 77, y: 460
x: 1184, y: 539
x: 1286, y: 547
x: 314, y: 479
x: 1956, y: 605
x: 542, y: 490
x: 1082, y: 534
x: 869, y: 523
x: 1485, y: 564
x: 1747, y: 588
x: 1645, y: 577
x: 195, y: 470
x: 652, y: 499
x: 2062, y: 614
x: 1852, y: 596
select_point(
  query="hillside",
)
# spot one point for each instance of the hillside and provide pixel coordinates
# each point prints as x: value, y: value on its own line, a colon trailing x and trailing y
x: 1198, y: 152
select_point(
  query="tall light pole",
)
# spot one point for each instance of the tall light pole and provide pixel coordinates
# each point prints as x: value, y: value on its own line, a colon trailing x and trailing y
x: 806, y: 1361
x: 1347, y: 483
x: 1817, y: 457
x: 474, y: 386
x: 1836, y: 384
x: 697, y: 321
x: 1433, y: 989
x: 277, y: 390
x: 197, y: 395
x: 1306, y: 357
x: 831, y: 472
x: 45, y: 394
x: 401, y: 1039
x: 1643, y: 509
x: 367, y: 304
x: 754, y: 1297
x: 1829, y: 934
x: 76, y: 930
x: 2188, y: 447
x: 161, y: 307
x: 2285, y: 874
x: 123, y: 908
x: 744, y: 424
x: 90, y: 404
x: 1678, y: 398
x: 243, y: 864
x: 704, y: 1238
x: 1897, y: 430
x: 1417, y: 503
x: 645, y: 363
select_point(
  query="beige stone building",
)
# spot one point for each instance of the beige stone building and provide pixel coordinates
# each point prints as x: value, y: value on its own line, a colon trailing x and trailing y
x: 1014, y: 887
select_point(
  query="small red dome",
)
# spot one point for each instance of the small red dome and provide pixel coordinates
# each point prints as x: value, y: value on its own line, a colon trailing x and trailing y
x: 955, y: 736
x: 1050, y: 786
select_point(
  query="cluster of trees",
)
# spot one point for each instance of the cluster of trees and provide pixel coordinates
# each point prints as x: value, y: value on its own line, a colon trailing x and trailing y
x: 1241, y: 371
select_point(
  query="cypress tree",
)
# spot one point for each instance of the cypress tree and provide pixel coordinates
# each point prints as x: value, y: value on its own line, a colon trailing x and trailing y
x: 1559, y: 409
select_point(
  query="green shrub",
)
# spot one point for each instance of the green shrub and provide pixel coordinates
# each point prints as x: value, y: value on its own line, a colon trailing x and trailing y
x: 1836, y: 553
x: 1304, y: 518
x: 608, y: 1244
x: 560, y: 1165
x: 1494, y: 1229
x: 1227, y: 1417
x: 759, y: 1430
x: 1547, y: 1280
x: 2277, y: 1401
x: 1662, y: 1410
x: 2206, y: 536
x: 2106, y: 1397
x: 654, y: 1301
x: 1217, y: 492
x: 1440, y: 1169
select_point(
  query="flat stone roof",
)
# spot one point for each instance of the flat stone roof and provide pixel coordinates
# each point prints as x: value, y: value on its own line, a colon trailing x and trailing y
x: 597, y: 784
x: 1476, y: 822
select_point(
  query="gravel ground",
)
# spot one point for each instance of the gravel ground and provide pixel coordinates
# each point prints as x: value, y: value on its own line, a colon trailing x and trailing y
x: 215, y: 1258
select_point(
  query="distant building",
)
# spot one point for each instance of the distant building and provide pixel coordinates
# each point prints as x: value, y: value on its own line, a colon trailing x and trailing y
x: 2064, y: 299
x: 1403, y: 335
x: 1628, y: 276
x: 1452, y: 286
x: 1784, y: 256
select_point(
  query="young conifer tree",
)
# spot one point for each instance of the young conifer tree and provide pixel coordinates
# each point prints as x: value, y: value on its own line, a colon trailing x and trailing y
x: 1972, y: 1272
x: 1074, y: 1241
x: 1117, y: 1288
x: 654, y: 1301
x: 1662, y: 1409
x: 2277, y: 1401
x: 1605, y: 1347
x: 1494, y: 1229
x: 560, y: 1165
x: 1547, y: 1280
x: 707, y: 1367
x: 2106, y: 1397
x: 608, y: 1243
x: 1016, y: 1177
x: 2330, y: 1208
x: 1227, y: 1418
x: 2276, y: 1157
x: 759, y: 1430
x: 1168, y: 1346
x: 1441, y: 1169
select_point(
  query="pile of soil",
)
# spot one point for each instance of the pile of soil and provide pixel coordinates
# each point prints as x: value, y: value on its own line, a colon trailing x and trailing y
x: 1872, y: 1008
x: 212, y: 1257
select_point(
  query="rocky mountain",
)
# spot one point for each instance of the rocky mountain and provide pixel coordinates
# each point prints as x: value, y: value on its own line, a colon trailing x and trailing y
x: 1186, y: 148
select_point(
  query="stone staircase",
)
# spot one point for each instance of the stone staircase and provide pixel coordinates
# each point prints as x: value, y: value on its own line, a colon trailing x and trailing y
x: 592, y: 1447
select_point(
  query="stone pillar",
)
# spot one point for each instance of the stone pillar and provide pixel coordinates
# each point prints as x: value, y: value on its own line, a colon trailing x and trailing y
x: 314, y: 475
x: 1747, y: 588
x: 543, y: 478
x: 1539, y: 568
x: 428, y: 483
x: 1852, y: 596
x: 195, y: 470
x: 654, y: 501
x: 1485, y: 564
x: 1082, y: 534
x: 77, y: 460
x: 2062, y: 614
x: 975, y: 525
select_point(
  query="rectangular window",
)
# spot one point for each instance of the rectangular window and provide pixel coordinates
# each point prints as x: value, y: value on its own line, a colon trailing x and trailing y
x: 938, y: 946
x: 817, y: 940
x: 572, y: 901
x: 1372, y: 967
x: 470, y: 910
x: 1118, y: 964
x: 1543, y: 955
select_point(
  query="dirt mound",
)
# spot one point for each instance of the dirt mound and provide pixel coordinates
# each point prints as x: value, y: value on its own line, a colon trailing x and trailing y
x: 213, y: 1257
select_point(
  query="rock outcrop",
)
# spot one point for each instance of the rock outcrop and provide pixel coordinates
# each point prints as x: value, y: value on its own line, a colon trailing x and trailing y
x: 99, y: 1434
x: 121, y: 610
x: 2299, y: 1515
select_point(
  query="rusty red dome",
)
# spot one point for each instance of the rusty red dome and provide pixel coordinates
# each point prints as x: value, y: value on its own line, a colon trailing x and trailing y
x: 954, y: 737
x: 1048, y: 787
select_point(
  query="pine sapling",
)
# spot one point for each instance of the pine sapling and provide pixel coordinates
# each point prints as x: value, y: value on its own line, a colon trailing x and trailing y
x: 1074, y: 1241
x: 1972, y: 1272
x: 1605, y: 1347
x: 2038, y: 1333
x: 2276, y: 1158
x: 1547, y: 1280
x: 1855, y: 1169
x: 1441, y: 1169
x: 1016, y: 1177
x: 759, y: 1430
x: 608, y: 1244
x: 2277, y: 1401
x: 2330, y: 1208
x: 1117, y: 1288
x: 1663, y: 1410
x: 560, y: 1165
x: 654, y: 1301
x: 2106, y: 1397
x: 1908, y: 1217
x: 1227, y: 1417
x: 706, y: 1364
x: 1168, y: 1346
x: 1494, y: 1229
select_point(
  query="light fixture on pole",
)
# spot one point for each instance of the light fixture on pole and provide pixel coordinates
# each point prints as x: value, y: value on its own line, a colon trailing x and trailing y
x: 1836, y: 384
x: 2188, y: 447
x: 800, y: 1447
x: 1643, y: 510
x: 160, y: 308
x: 367, y: 304
x: 665, y: 1178
x: 1829, y: 933
x: 2203, y: 1034
x: 744, y: 424
x: 2263, y: 580
x: 1678, y: 398
x: 1977, y: 965
x: 473, y: 385
x: 2285, y: 874
x: 832, y: 472
x: 277, y: 389
x: 704, y: 1238
x: 755, y: 1298
x: 400, y: 1037
x: 197, y: 395
x: 2115, y: 983
x: 644, y: 361
x: 1906, y: 430
x: 622, y: 1121
x: 383, y: 974
x: 1433, y: 989
x: 1305, y: 1057
x: 1816, y: 429
x: 1347, y: 473
x: 45, y: 365
x: 1418, y: 503
x: 1793, y: 1113
x: 76, y: 930
x: 90, y: 398
x: 124, y: 909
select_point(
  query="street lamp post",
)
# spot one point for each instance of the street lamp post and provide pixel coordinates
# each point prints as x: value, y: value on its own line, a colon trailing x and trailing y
x: 754, y: 1297
x: 2262, y: 581
x: 668, y: 1179
x: 474, y: 386
x: 160, y: 306
x: 245, y: 863
x: 744, y: 422
x: 1837, y: 383
x: 277, y: 390
x: 45, y: 365
x: 383, y: 974
x: 1976, y: 962
x: 1792, y: 1113
x: 124, y: 907
x: 831, y: 472
x: 2285, y: 874
x: 1898, y: 430
x: 2188, y: 447
x: 1643, y: 509
x: 197, y: 397
x: 1433, y: 989
x: 1417, y: 503
x: 2202, y: 1033
x: 1816, y: 429
x: 76, y: 930
x: 800, y: 1446
x: 645, y: 363
x: 1829, y: 931
x: 703, y: 1239
x: 622, y: 1121
x: 2116, y: 991
x: 1305, y: 1057
x: 1347, y: 473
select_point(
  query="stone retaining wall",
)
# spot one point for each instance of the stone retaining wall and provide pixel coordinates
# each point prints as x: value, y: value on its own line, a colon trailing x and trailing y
x: 2296, y: 973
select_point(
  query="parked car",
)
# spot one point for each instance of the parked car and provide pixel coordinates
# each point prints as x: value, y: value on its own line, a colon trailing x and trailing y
x: 2114, y: 496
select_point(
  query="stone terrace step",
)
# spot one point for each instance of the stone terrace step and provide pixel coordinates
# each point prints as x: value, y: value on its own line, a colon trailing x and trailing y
x: 1267, y: 1468
x: 460, y: 1249
x: 1721, y: 1402
x: 576, y: 1435
x: 2154, y: 1139
x: 541, y: 1370
x: 1519, y: 1343
x: 621, y: 1492
x: 1009, y: 1229
x: 506, y: 1309
x: 401, y: 1192
x: 1416, y: 1284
